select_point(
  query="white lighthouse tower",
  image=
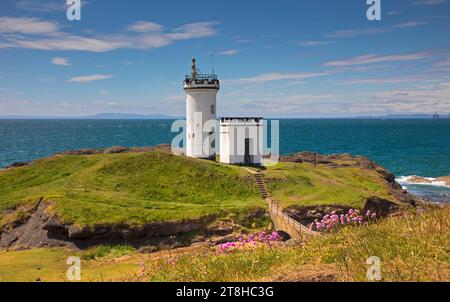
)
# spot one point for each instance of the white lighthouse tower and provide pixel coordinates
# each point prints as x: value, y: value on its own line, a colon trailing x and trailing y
x: 201, y: 118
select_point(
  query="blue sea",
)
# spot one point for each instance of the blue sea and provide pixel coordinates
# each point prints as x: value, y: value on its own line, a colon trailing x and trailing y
x: 404, y: 146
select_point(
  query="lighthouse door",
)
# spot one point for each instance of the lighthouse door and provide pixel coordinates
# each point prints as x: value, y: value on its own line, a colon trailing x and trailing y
x: 247, y: 157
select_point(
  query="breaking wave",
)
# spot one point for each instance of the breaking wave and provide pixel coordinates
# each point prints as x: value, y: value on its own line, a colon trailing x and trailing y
x: 427, y: 181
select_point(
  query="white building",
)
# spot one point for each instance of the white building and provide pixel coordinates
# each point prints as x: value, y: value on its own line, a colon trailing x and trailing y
x: 241, y: 139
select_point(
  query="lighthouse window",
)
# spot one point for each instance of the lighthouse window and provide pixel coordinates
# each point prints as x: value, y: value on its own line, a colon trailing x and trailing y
x: 213, y: 109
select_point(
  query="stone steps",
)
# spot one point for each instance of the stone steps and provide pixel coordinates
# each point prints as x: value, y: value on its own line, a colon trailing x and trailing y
x: 262, y: 186
x: 293, y: 228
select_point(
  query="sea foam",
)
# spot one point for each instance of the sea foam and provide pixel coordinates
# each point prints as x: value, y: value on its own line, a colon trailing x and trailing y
x: 405, y: 181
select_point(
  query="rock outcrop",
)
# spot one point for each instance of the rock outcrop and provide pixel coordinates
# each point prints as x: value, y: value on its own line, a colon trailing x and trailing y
x: 307, y: 214
x: 40, y: 228
x: 444, y: 180
x: 16, y: 165
x: 118, y: 149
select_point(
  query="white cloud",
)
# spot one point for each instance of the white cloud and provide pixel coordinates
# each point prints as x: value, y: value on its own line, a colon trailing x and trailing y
x: 372, y: 58
x: 6, y: 45
x: 103, y: 92
x: 91, y: 78
x: 39, y: 6
x: 33, y: 33
x: 442, y: 63
x: 410, y: 24
x: 239, y: 39
x: 43, y: 6
x: 69, y: 42
x: 312, y: 43
x: 229, y: 52
x: 193, y: 31
x: 269, y: 77
x: 356, y: 32
x: 151, y: 41
x: 429, y: 2
x: 420, y: 99
x: 385, y: 80
x: 60, y: 61
x: 349, y: 33
x: 27, y: 26
x: 144, y: 26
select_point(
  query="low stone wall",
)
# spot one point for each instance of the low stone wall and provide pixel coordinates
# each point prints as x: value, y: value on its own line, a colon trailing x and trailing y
x: 283, y: 222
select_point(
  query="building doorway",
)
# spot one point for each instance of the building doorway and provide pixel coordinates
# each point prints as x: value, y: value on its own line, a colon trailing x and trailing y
x: 248, y: 159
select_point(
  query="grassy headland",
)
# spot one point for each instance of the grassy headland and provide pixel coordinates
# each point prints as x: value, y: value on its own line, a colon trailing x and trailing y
x: 309, y: 185
x: 132, y: 188
x: 138, y: 188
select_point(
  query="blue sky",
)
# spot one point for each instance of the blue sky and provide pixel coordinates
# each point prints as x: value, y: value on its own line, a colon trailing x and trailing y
x: 285, y: 58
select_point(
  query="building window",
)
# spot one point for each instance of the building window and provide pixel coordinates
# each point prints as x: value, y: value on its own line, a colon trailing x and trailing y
x: 213, y: 109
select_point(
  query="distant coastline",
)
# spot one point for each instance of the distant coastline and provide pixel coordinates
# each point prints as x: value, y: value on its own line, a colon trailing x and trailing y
x: 100, y: 116
x: 127, y: 116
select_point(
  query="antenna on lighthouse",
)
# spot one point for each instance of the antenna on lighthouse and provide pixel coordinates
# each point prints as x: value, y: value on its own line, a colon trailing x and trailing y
x: 212, y: 63
x: 194, y: 69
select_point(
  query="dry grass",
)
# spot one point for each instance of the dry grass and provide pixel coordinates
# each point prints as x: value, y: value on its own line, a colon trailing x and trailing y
x: 412, y: 247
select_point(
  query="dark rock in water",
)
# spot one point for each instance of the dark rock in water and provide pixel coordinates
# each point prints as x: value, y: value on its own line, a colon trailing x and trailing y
x: 116, y: 149
x: 17, y: 165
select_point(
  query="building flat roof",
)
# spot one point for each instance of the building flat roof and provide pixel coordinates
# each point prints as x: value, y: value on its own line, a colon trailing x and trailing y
x: 242, y: 118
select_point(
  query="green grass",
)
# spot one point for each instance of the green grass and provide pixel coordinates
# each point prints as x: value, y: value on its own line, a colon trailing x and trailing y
x: 103, y: 251
x: 50, y: 265
x: 131, y: 188
x: 305, y: 184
